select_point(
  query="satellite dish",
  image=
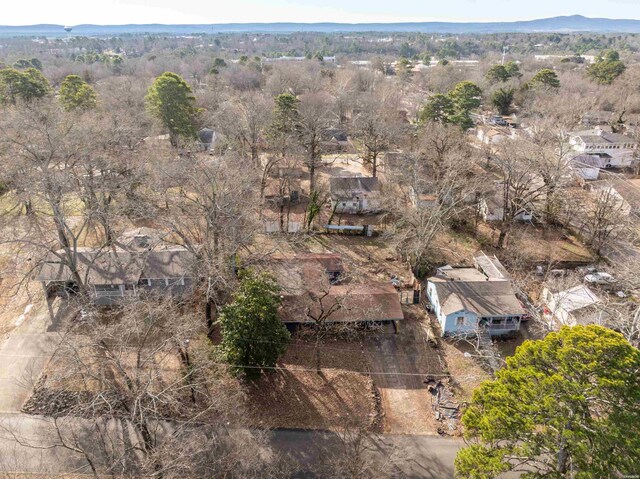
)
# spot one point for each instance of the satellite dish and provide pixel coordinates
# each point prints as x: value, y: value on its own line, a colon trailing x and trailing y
x: 68, y: 29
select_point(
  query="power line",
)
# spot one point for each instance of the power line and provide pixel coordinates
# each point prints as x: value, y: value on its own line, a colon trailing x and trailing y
x: 342, y: 371
x: 323, y: 346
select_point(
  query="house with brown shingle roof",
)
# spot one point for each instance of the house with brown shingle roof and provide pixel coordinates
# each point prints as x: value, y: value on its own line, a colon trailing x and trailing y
x: 315, y: 288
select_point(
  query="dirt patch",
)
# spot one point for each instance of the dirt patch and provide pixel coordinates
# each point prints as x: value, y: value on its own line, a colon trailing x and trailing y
x: 297, y: 396
x: 452, y: 247
x: 401, y: 364
x: 465, y: 371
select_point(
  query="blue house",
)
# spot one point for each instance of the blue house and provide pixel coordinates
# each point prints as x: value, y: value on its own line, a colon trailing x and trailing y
x: 465, y: 300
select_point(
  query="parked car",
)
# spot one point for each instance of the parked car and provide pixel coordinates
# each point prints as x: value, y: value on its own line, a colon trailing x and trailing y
x: 497, y: 120
x: 599, y: 278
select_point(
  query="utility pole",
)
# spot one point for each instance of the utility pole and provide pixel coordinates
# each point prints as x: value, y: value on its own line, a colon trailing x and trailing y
x: 504, y: 53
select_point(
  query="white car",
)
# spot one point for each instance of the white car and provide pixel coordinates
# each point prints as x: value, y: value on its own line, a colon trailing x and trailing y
x: 599, y: 278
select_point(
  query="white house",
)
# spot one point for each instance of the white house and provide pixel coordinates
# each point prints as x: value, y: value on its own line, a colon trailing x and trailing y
x: 577, y: 305
x: 464, y: 300
x: 356, y: 194
x: 491, y: 208
x: 617, y: 150
x: 586, y: 166
x: 607, y: 195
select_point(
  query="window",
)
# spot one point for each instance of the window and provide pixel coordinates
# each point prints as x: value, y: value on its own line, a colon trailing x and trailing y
x: 460, y: 321
x: 496, y: 321
x: 511, y: 320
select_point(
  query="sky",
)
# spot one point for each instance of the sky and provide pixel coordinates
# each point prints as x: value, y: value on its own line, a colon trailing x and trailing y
x: 115, y: 12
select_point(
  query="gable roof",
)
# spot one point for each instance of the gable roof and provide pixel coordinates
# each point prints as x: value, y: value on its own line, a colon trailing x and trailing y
x: 115, y: 267
x: 599, y: 136
x: 347, y: 185
x: 594, y: 161
x: 484, y: 298
x: 349, y: 302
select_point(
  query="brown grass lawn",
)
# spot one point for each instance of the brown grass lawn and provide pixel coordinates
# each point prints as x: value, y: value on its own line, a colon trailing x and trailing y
x: 537, y: 244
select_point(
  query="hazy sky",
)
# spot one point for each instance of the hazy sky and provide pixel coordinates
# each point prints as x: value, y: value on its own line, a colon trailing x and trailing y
x: 73, y: 12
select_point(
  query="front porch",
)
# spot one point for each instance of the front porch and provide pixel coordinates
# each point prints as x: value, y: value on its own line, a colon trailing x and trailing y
x: 503, y: 325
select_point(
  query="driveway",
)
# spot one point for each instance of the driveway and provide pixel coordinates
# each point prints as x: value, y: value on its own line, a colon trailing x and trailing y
x: 26, y: 351
x: 406, y: 360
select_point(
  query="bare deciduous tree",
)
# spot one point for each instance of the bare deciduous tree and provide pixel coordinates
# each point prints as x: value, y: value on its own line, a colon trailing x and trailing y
x: 314, y: 120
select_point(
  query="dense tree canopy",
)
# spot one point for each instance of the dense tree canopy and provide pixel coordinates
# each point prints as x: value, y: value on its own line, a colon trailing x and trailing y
x: 438, y: 108
x: 513, y: 70
x: 171, y: 101
x: 565, y: 403
x: 24, y: 63
x: 24, y: 85
x: 76, y: 93
x: 545, y: 78
x: 502, y: 73
x: 502, y: 100
x: 454, y: 107
x: 253, y: 336
x: 466, y: 96
x: 497, y: 74
x: 607, y: 68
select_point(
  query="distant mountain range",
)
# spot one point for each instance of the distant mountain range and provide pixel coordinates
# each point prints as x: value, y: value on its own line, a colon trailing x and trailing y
x: 574, y: 23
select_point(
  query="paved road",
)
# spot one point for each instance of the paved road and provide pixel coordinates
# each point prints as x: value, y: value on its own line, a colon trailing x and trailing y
x: 416, y: 456
x: 25, y: 446
x: 26, y: 351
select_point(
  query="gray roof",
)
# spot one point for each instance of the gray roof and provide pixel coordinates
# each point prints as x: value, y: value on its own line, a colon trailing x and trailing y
x: 602, y: 137
x: 484, y: 298
x: 116, y: 267
x: 594, y: 161
x: 337, y: 134
x: 345, y: 186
